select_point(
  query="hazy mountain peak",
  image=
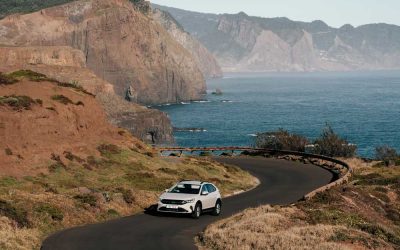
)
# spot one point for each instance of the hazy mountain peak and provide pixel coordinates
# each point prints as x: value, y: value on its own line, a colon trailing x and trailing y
x: 246, y: 43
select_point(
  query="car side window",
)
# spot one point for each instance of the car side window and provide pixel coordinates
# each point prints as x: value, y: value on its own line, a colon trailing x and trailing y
x: 204, y: 188
x: 211, y: 188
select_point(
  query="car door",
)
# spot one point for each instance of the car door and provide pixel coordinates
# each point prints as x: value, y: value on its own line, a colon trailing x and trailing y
x: 206, y: 199
x: 213, y: 194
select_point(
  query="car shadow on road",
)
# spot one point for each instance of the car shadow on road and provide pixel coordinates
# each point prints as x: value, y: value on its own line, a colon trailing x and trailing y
x: 152, y: 211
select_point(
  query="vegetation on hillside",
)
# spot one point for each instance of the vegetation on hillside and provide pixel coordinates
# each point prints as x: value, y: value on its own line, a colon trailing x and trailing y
x: 364, y: 214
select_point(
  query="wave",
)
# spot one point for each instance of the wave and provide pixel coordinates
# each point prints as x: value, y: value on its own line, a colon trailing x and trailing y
x: 205, y: 101
x: 252, y: 135
x: 185, y: 103
x: 190, y: 130
x: 224, y: 101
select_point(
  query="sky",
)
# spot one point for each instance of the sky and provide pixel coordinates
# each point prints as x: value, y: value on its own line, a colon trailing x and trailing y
x: 334, y: 12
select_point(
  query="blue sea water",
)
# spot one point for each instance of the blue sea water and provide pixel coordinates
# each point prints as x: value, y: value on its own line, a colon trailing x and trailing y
x: 363, y: 107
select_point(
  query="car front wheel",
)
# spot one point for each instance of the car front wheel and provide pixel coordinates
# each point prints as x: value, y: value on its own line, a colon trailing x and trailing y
x: 197, y: 211
x: 217, y: 208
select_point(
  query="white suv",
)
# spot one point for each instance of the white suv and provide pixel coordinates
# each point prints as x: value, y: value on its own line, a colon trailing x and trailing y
x: 191, y: 197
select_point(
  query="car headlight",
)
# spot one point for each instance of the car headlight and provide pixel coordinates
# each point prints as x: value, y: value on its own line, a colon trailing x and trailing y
x: 189, y: 201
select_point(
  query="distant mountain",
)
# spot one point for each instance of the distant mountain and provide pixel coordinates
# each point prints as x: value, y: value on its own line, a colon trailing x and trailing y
x: 245, y: 43
x: 204, y: 59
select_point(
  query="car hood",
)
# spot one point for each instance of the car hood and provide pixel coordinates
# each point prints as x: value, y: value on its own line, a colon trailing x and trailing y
x: 176, y: 196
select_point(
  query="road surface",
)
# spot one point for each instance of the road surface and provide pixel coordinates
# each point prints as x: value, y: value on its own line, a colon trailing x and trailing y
x: 281, y: 182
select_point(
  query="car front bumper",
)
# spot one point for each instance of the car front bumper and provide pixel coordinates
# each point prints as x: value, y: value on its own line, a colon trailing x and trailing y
x: 178, y: 209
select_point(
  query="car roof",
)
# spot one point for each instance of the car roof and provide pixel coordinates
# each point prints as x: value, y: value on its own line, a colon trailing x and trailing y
x: 192, y: 182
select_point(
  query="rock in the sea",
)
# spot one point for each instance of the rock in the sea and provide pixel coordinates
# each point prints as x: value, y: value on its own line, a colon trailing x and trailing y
x: 217, y: 92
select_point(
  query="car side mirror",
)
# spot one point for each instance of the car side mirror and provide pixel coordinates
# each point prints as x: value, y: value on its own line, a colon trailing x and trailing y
x: 204, y: 193
x: 166, y: 190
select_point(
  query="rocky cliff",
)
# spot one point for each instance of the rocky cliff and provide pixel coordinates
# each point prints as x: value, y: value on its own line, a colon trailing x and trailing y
x: 120, y: 44
x: 65, y: 64
x: 244, y: 43
x: 204, y: 59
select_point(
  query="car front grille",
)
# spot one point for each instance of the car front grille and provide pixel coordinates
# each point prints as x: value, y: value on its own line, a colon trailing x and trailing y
x: 178, y: 210
x: 172, y: 202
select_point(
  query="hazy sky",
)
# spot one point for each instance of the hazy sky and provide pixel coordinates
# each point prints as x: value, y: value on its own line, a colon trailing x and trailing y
x: 333, y: 12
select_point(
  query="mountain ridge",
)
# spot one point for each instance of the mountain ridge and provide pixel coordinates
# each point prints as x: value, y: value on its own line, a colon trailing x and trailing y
x: 292, y: 45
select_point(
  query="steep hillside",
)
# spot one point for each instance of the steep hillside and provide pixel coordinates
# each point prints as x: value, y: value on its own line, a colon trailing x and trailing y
x: 68, y: 65
x: 120, y: 45
x: 206, y: 61
x: 244, y: 43
x: 62, y: 164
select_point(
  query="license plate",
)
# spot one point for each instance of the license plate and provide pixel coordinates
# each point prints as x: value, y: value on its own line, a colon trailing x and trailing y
x: 172, y: 206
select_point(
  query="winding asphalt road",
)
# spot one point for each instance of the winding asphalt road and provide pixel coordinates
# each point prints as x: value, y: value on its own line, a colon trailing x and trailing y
x: 282, y: 182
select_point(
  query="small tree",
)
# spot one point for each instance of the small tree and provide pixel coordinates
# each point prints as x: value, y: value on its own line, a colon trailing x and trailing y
x: 281, y: 140
x: 386, y: 154
x: 331, y: 144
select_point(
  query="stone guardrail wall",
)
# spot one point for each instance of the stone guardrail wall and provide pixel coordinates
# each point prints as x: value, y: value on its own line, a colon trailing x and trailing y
x: 342, y: 169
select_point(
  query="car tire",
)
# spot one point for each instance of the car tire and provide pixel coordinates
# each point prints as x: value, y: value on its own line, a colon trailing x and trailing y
x: 217, y: 209
x: 196, y: 211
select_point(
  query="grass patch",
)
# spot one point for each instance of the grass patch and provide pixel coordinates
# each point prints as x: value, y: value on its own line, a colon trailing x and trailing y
x: 50, y: 210
x: 19, y: 215
x: 89, y: 199
x: 108, y: 149
x: 62, y: 99
x: 29, y: 74
x: 127, y: 195
x: 75, y: 86
x: 7, y: 80
x: 17, y: 103
x: 375, y: 179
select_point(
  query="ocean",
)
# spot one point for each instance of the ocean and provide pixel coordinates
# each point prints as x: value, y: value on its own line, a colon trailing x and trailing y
x: 363, y: 107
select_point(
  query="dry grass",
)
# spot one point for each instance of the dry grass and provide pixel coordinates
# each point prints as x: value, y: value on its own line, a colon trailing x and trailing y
x: 269, y: 228
x: 117, y: 182
x: 12, y: 237
x: 364, y: 214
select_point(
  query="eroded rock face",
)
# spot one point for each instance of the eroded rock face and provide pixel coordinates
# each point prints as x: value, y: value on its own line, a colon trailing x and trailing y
x: 204, y: 59
x: 149, y: 125
x: 120, y: 45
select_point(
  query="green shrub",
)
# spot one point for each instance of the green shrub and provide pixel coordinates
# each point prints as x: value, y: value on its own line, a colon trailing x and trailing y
x: 8, y: 151
x: 386, y: 154
x: 55, y: 213
x: 281, y: 140
x: 86, y: 199
x: 331, y: 144
x: 19, y: 215
x: 112, y: 213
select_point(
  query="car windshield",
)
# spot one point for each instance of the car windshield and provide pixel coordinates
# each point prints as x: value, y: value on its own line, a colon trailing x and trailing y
x: 186, y: 189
